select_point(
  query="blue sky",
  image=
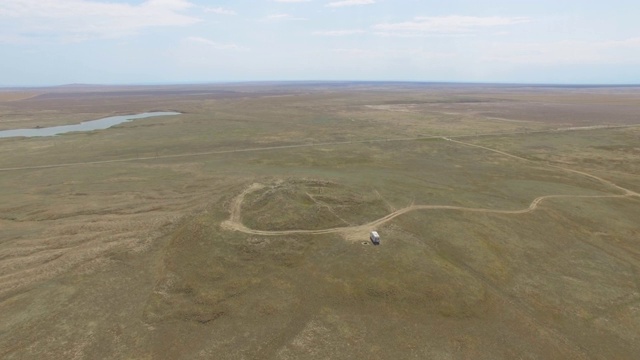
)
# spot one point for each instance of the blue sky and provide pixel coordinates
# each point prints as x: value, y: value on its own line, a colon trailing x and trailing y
x: 50, y: 42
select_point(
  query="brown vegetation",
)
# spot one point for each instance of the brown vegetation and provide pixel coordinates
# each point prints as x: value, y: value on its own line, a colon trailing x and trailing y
x: 148, y: 240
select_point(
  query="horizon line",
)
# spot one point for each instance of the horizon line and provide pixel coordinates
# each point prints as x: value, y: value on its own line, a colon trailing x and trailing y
x: 311, y: 81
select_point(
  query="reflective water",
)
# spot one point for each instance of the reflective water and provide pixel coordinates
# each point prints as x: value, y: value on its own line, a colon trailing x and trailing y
x: 84, y: 126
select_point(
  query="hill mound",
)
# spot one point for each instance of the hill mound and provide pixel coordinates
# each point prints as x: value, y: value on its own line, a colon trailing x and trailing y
x: 311, y: 205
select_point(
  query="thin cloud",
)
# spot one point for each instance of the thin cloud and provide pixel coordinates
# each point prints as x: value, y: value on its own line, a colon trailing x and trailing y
x: 220, y: 11
x: 339, y: 32
x: 282, y: 17
x: 392, y: 54
x: 566, y: 52
x: 350, y: 3
x: 291, y: 1
x: 14, y: 39
x: 79, y: 20
x: 214, y: 44
x: 439, y: 25
x: 357, y: 53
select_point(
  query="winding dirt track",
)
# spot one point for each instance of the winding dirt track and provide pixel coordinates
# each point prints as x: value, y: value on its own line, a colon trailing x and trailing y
x: 294, y: 146
x: 626, y: 191
x: 234, y: 222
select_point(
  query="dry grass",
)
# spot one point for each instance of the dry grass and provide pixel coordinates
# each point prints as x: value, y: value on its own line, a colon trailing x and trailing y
x: 129, y: 259
x: 16, y: 95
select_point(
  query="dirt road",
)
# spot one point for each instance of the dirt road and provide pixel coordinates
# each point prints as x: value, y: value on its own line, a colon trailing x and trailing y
x: 234, y: 222
x: 294, y: 146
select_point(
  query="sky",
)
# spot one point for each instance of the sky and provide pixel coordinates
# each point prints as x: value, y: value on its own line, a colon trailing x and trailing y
x: 55, y: 42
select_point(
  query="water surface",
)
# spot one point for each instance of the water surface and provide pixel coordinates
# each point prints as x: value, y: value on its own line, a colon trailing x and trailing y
x: 99, y: 124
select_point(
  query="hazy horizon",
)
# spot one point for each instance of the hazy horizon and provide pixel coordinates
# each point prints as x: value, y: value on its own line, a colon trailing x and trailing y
x: 163, y: 42
x: 319, y: 82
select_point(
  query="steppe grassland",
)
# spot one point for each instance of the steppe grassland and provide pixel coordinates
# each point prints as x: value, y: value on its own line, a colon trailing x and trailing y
x: 142, y: 241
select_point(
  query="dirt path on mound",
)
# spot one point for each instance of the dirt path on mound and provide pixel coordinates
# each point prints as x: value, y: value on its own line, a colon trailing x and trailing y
x: 234, y: 222
x: 237, y: 202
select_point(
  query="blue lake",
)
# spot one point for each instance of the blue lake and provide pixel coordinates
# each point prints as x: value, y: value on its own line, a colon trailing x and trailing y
x: 99, y: 124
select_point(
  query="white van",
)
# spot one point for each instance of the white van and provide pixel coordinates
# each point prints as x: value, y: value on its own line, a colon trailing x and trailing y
x: 375, y: 238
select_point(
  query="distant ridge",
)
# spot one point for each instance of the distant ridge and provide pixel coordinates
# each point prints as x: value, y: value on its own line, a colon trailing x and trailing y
x: 294, y: 83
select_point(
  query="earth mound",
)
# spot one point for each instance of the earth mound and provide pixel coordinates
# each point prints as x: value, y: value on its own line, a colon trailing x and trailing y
x: 307, y: 204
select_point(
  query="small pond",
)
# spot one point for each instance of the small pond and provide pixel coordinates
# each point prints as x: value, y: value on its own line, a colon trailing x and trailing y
x: 99, y: 124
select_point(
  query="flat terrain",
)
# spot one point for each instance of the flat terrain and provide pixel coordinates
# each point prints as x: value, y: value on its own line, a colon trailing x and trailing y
x: 239, y: 230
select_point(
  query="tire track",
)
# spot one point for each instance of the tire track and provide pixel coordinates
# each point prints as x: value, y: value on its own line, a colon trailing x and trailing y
x: 234, y: 222
x: 547, y: 329
x: 334, y: 143
x: 604, y: 181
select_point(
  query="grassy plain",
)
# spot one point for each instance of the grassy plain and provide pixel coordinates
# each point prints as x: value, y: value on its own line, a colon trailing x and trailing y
x: 113, y: 242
